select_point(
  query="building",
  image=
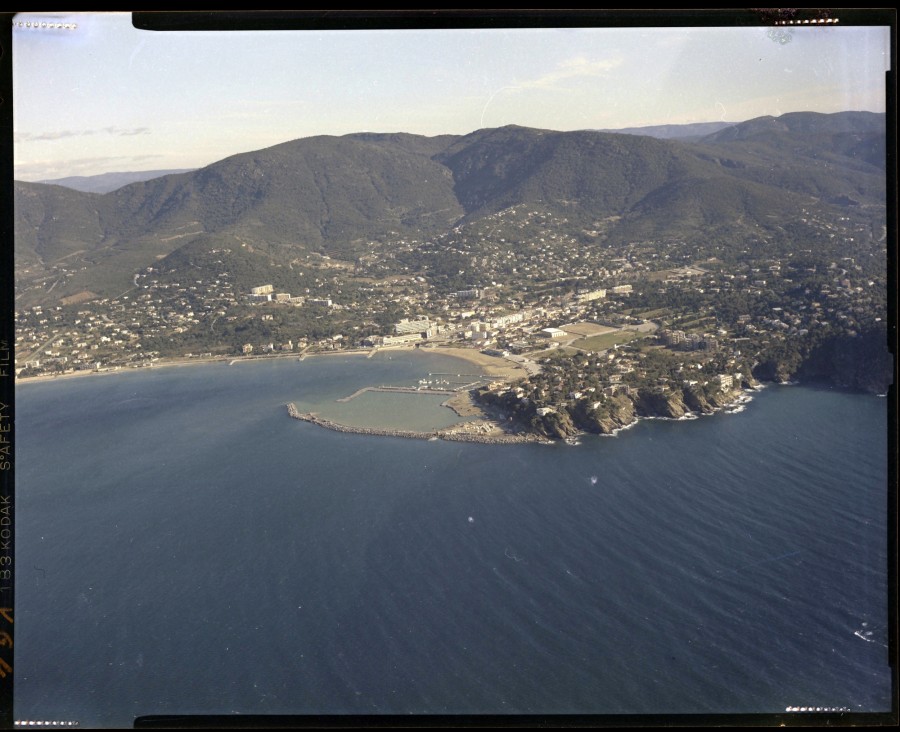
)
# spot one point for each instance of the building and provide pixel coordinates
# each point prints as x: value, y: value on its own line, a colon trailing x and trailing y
x: 412, y: 326
x: 553, y: 333
x: 592, y: 295
x: 263, y: 293
x: 673, y: 337
x: 503, y: 320
x: 404, y: 338
x: 692, y: 342
x: 725, y: 381
x: 473, y: 294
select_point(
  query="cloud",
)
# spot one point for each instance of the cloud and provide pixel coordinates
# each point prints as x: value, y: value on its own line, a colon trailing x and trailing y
x: 578, y: 67
x: 21, y: 137
x: 31, y: 137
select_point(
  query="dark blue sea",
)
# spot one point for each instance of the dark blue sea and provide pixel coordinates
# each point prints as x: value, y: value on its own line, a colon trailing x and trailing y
x: 183, y: 546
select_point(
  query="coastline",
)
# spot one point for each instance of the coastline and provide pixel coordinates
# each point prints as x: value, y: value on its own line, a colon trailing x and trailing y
x: 489, y: 428
x: 736, y: 406
x: 174, y: 363
x: 180, y: 362
x: 492, y: 365
x: 497, y: 366
x: 494, y: 432
x: 485, y: 432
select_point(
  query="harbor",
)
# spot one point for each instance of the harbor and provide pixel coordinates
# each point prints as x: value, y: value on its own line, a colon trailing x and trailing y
x: 481, y: 431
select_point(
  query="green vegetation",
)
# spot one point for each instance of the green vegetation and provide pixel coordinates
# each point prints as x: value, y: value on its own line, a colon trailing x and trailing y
x: 360, y: 195
x: 751, y: 250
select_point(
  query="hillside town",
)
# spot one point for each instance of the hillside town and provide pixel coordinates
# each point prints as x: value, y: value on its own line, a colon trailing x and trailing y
x: 591, y: 325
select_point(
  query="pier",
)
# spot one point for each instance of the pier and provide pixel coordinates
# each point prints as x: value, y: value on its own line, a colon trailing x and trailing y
x: 396, y: 390
x: 468, y: 376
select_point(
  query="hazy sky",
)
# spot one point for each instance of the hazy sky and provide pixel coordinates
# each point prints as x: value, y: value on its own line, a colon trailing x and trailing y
x: 106, y: 97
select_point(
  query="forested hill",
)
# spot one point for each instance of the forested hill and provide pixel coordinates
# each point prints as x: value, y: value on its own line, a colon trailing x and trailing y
x: 336, y: 195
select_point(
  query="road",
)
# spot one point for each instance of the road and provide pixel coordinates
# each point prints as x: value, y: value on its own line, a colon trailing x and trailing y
x: 23, y: 359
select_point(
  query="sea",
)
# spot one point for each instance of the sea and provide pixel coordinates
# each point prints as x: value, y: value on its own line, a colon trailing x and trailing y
x: 184, y: 547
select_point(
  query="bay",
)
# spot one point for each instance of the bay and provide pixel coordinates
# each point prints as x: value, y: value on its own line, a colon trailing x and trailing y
x: 185, y: 547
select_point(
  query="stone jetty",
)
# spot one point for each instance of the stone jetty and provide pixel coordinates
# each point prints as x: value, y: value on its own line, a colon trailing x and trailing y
x: 458, y: 433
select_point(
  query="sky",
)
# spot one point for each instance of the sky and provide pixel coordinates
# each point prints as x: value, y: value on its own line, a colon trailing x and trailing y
x: 101, y: 96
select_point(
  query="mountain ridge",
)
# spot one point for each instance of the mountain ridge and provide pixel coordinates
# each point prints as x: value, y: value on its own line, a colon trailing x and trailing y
x: 686, y: 131
x: 108, y: 182
x: 333, y: 195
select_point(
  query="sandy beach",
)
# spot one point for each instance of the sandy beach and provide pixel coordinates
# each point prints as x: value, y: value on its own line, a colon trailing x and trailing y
x: 493, y: 365
x: 127, y: 369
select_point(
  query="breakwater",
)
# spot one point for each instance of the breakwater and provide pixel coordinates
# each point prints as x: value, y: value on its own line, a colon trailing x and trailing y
x: 397, y: 389
x: 462, y: 433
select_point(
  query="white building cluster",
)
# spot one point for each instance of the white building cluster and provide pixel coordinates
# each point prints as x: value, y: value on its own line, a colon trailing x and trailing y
x: 266, y: 293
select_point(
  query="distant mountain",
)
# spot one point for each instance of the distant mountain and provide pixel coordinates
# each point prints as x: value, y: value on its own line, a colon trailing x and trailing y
x: 802, y: 123
x: 835, y: 157
x: 107, y: 182
x: 692, y: 131
x: 340, y: 195
x: 844, y: 138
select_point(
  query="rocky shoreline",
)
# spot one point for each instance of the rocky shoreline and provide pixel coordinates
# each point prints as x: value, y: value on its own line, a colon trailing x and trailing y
x: 675, y: 405
x: 618, y: 412
x: 734, y: 406
x: 491, y: 432
x: 482, y: 433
